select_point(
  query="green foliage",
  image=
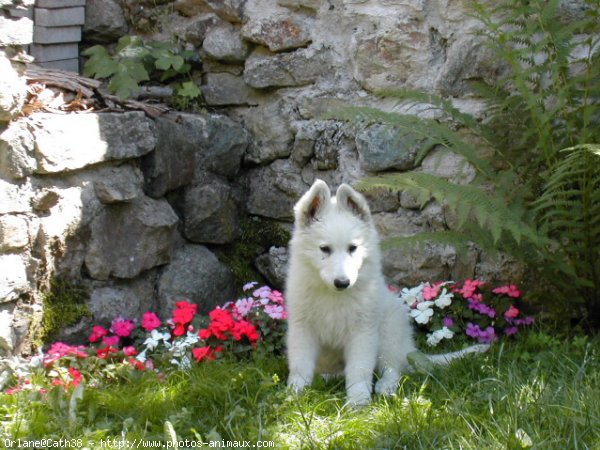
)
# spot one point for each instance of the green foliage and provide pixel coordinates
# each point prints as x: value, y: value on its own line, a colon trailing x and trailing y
x: 65, y: 304
x: 541, y: 389
x: 136, y: 61
x: 542, y: 208
x: 257, y: 235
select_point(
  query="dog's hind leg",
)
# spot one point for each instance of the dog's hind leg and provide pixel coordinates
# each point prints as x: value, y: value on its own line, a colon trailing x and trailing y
x: 388, y: 383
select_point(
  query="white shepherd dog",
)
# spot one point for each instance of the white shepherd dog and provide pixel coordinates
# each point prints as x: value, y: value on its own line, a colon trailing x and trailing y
x: 342, y: 317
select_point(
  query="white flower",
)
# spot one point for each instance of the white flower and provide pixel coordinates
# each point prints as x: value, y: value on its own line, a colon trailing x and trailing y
x: 155, y: 337
x: 434, y: 338
x: 422, y: 313
x: 141, y: 356
x: 412, y: 295
x: 444, y: 299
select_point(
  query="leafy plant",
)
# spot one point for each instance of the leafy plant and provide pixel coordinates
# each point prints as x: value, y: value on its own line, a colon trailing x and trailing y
x: 531, y: 199
x: 136, y: 61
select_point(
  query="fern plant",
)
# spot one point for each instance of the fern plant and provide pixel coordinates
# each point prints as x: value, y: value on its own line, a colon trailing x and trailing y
x: 545, y: 203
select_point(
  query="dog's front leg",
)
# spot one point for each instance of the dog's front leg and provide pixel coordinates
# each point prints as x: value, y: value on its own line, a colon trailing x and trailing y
x: 303, y: 351
x: 361, y: 356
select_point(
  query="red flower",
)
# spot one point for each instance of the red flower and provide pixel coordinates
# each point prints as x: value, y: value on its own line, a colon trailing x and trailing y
x: 77, y: 376
x: 221, y: 323
x: 130, y: 350
x: 183, y: 315
x: 150, y: 321
x: 204, y: 334
x: 98, y: 333
x: 136, y: 363
x: 203, y: 353
x: 105, y: 352
x: 245, y: 328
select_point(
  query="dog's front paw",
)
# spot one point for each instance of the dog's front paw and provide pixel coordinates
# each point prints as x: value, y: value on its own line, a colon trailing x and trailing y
x: 296, y: 383
x: 386, y: 386
x: 358, y: 396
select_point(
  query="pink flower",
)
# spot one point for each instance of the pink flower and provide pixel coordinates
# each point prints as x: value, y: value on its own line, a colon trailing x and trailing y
x: 122, y: 327
x: 431, y: 292
x: 249, y: 286
x: 512, y: 312
x: 150, y: 321
x: 98, y: 333
x: 60, y: 349
x: 511, y: 290
x: 262, y: 292
x: 243, y: 306
x: 276, y: 311
x: 111, y: 341
x: 470, y: 287
x: 276, y: 297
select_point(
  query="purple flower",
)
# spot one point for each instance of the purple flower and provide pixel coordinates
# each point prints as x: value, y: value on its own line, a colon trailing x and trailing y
x: 511, y: 330
x: 473, y: 330
x: 448, y: 321
x: 482, y: 308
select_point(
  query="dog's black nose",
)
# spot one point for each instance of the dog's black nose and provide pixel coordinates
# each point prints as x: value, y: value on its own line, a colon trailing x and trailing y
x: 341, y: 283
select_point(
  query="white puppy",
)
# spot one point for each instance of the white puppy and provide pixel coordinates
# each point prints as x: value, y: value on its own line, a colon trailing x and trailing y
x: 342, y: 318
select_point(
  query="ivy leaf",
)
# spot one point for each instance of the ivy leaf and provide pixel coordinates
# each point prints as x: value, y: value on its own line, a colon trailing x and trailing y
x: 189, y: 89
x: 135, y: 69
x: 167, y: 60
x: 123, y: 84
x: 100, y: 64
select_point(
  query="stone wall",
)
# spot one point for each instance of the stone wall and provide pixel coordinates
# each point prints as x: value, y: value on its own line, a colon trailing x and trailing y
x: 135, y: 209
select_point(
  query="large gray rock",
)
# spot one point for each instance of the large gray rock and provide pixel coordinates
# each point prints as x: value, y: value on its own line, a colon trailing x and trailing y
x: 229, y: 10
x: 13, y: 277
x: 73, y: 141
x: 14, y: 232
x: 17, y: 158
x: 274, y: 189
x: 226, y: 89
x: 128, y: 238
x: 195, y: 32
x: 468, y: 59
x: 384, y: 148
x: 319, y: 142
x: 271, y: 131
x: 273, y: 266
x: 279, y: 33
x: 221, y: 146
x: 104, y: 21
x: 395, y: 57
x: 13, y: 89
x: 223, y: 42
x: 171, y: 164
x: 15, y: 31
x: 119, y: 186
x: 451, y: 166
x: 15, y: 198
x: 196, y: 275
x: 301, y: 67
x: 210, y: 212
x: 128, y: 299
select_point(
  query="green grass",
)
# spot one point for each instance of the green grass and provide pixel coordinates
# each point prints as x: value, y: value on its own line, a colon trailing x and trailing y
x: 541, y: 392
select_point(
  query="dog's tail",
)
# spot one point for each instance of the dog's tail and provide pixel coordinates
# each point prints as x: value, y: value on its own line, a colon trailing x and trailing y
x: 422, y: 361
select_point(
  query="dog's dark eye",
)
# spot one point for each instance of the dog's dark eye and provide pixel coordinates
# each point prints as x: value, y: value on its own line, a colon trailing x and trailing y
x: 325, y: 249
x: 351, y: 248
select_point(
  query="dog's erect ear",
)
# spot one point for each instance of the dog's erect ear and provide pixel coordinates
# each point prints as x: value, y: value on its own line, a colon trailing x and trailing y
x: 354, y: 202
x: 312, y: 203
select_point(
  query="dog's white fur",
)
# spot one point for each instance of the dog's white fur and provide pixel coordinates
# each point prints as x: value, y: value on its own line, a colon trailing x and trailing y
x: 357, y: 327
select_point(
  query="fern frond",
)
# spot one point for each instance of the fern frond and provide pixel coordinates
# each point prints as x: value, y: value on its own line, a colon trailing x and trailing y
x: 489, y: 210
x: 431, y: 131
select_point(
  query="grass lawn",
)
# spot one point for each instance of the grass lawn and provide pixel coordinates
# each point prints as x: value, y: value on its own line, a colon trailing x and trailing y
x: 539, y: 392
